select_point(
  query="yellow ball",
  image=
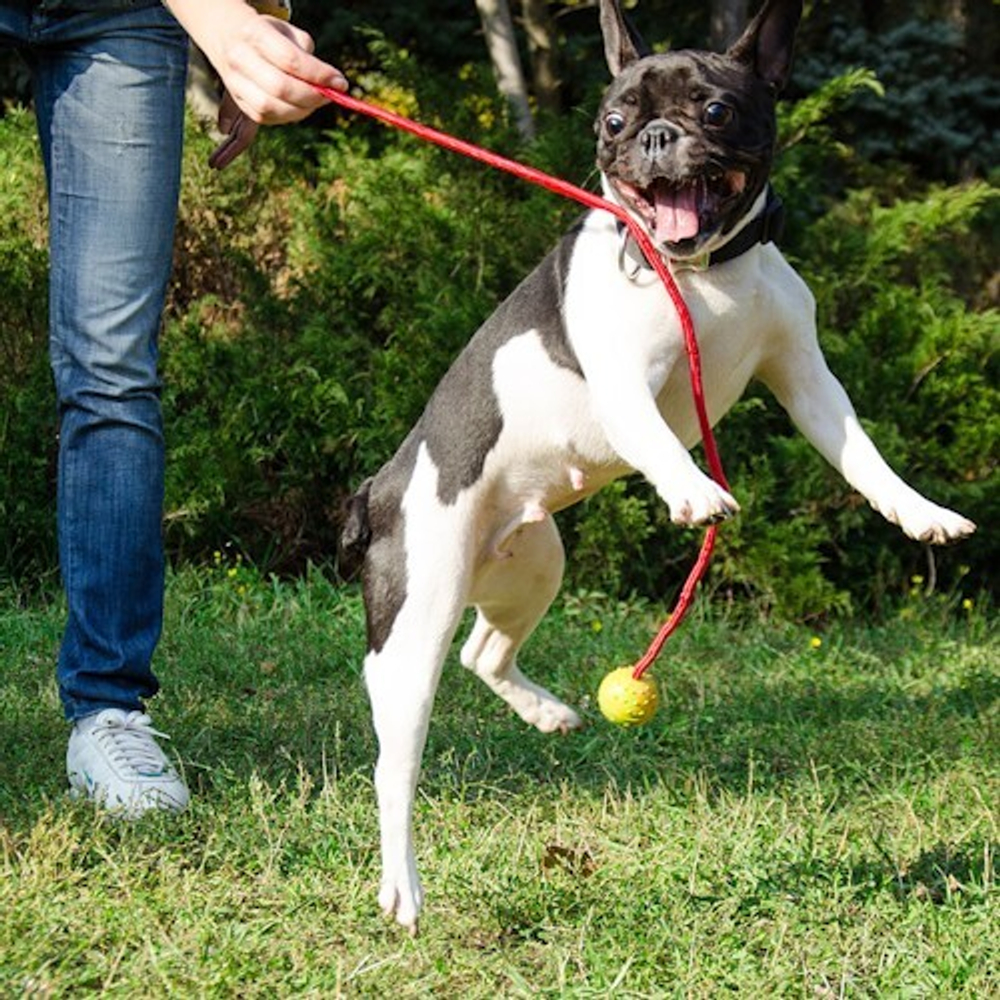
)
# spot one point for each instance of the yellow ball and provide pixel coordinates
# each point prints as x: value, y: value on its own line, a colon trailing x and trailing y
x: 626, y: 701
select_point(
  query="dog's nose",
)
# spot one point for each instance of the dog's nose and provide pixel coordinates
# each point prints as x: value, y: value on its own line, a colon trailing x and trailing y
x: 658, y: 136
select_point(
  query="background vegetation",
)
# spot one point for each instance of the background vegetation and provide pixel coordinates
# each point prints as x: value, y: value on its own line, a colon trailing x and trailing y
x: 323, y: 283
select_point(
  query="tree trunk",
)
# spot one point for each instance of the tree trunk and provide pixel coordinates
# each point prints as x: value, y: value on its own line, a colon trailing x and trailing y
x: 543, y: 49
x: 728, y: 19
x: 980, y: 27
x: 498, y: 27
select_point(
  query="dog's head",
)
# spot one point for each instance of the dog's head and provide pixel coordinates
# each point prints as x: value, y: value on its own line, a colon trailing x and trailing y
x: 686, y: 138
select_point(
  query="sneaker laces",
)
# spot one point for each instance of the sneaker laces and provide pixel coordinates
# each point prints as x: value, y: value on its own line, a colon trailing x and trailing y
x: 131, y: 747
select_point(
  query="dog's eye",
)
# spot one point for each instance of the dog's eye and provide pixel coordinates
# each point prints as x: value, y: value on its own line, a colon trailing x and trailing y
x: 718, y: 114
x: 614, y: 123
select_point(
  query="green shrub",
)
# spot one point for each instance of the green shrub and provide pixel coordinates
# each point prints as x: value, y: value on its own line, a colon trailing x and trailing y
x: 920, y: 361
x: 937, y: 114
x: 322, y: 287
x: 300, y: 370
x: 27, y: 399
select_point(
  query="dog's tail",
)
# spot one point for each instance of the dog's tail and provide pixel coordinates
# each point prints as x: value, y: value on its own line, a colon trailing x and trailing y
x: 356, y: 534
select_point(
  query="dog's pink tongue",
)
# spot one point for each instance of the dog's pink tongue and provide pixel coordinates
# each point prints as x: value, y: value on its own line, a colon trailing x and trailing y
x: 676, y: 214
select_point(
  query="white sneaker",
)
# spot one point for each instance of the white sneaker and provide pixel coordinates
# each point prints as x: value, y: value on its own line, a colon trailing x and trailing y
x: 114, y: 759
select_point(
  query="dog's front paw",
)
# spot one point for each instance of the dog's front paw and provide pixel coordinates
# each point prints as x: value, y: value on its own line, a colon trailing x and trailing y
x: 926, y: 522
x: 704, y: 502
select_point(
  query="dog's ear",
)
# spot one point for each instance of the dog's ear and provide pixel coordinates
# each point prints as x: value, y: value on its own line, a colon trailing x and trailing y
x: 769, y: 40
x: 622, y: 44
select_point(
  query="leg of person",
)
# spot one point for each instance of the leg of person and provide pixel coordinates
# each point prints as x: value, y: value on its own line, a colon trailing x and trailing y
x: 109, y: 88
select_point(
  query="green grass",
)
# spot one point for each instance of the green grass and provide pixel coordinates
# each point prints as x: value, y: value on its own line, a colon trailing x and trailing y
x: 798, y: 821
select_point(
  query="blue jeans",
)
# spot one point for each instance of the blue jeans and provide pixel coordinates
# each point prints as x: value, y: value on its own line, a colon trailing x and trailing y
x: 108, y: 80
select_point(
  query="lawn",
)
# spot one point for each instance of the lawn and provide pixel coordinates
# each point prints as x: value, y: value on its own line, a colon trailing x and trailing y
x: 811, y: 814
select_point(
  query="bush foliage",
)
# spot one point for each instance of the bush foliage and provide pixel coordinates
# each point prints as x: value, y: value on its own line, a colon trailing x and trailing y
x: 324, y: 283
x: 935, y: 111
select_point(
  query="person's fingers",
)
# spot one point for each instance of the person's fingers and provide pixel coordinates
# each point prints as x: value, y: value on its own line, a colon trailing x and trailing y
x: 271, y: 70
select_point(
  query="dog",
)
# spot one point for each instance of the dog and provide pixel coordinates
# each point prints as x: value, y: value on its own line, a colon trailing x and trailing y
x: 580, y: 377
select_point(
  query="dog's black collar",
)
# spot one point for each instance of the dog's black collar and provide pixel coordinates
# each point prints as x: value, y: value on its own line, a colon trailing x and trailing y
x: 765, y: 228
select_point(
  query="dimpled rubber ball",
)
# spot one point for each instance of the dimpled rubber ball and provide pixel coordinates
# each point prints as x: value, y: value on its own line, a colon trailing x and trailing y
x: 626, y: 701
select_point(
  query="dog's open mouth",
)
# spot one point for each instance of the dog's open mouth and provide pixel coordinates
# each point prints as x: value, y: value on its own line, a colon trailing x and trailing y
x: 676, y: 212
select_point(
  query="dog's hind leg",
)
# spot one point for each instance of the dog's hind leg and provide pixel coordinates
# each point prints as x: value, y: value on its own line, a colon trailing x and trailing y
x: 511, y: 594
x: 402, y: 679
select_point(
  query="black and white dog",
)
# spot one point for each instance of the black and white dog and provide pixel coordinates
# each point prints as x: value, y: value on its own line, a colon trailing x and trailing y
x: 580, y: 377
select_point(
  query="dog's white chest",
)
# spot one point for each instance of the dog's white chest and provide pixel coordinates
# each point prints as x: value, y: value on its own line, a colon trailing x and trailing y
x: 626, y: 331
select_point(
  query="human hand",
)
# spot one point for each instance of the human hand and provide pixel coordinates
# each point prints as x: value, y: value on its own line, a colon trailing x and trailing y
x: 267, y: 67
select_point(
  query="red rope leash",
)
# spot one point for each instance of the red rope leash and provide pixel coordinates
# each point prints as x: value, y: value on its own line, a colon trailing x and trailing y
x: 574, y: 193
